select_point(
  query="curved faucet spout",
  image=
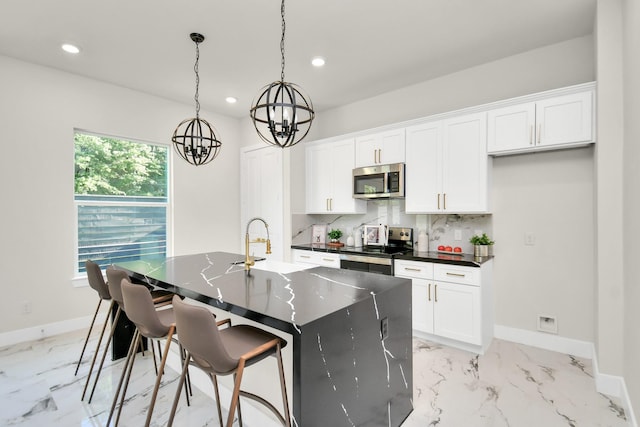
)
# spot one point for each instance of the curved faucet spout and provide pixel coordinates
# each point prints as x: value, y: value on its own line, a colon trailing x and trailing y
x: 248, y: 259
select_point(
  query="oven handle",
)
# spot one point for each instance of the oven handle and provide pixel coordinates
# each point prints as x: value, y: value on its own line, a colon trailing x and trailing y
x: 367, y: 259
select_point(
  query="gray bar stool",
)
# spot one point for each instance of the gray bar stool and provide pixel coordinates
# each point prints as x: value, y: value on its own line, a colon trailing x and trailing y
x: 97, y: 283
x: 114, y: 279
x: 151, y: 323
x: 223, y: 352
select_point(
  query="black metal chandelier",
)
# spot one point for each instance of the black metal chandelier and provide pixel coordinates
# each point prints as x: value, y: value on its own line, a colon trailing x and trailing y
x: 281, y: 113
x: 195, y: 139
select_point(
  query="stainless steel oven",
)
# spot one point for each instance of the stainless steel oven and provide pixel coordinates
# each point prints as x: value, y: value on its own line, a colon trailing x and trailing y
x: 379, y: 259
x: 367, y: 263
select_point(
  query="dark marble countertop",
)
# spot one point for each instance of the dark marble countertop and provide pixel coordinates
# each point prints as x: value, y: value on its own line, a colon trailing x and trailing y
x: 437, y: 257
x: 296, y: 298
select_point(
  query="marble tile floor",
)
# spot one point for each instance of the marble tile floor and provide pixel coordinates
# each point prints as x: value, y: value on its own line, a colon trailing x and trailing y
x: 511, y: 385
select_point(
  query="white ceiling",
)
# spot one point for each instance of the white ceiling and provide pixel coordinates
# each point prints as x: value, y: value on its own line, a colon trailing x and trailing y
x: 371, y: 46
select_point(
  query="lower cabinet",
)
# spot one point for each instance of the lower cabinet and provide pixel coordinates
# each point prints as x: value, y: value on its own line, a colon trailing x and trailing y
x: 322, y: 259
x: 451, y: 304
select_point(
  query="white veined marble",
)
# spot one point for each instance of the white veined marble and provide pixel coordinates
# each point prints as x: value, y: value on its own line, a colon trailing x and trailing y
x: 511, y: 385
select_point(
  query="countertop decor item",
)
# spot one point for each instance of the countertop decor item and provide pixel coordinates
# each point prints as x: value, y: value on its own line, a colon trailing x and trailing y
x: 318, y: 234
x: 282, y: 114
x: 195, y: 139
x: 482, y: 245
x: 335, y: 235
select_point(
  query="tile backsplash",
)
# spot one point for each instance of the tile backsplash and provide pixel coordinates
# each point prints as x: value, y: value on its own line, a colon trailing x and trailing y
x: 442, y: 229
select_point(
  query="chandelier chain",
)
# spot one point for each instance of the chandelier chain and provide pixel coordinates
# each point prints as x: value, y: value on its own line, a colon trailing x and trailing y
x: 282, y: 41
x: 195, y: 68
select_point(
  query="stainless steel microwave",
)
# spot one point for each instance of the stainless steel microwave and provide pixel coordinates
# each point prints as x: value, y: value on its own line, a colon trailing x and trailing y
x: 380, y: 181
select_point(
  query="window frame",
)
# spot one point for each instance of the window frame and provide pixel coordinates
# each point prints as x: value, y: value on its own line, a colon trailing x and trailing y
x: 79, y: 279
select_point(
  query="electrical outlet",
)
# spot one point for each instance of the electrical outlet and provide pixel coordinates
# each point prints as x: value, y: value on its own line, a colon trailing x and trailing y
x: 529, y: 238
x: 384, y: 328
x: 457, y: 234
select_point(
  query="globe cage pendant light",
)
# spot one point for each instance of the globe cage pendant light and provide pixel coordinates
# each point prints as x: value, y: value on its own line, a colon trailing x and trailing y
x: 195, y: 139
x: 281, y: 113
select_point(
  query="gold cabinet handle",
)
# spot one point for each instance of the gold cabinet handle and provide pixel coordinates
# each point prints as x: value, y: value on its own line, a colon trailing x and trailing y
x: 438, y: 201
x: 326, y: 203
x: 331, y: 204
x: 375, y: 156
x: 455, y: 274
x: 413, y: 269
x: 429, y: 292
x: 327, y: 259
x: 444, y: 201
x: 305, y: 256
x: 531, y: 135
x: 539, y: 132
x: 435, y: 292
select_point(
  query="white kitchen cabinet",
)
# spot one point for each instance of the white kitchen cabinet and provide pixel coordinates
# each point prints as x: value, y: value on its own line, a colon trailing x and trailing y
x: 329, y: 168
x: 323, y: 259
x: 447, y: 167
x: 451, y: 303
x: 380, y: 148
x: 555, y: 122
x: 456, y: 311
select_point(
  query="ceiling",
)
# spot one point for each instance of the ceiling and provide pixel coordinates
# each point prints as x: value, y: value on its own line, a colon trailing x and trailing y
x: 370, y: 46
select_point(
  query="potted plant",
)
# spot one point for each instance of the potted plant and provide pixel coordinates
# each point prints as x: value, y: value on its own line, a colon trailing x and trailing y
x: 335, y: 235
x: 481, y: 245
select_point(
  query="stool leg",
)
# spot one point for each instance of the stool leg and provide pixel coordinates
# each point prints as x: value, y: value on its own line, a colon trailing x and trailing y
x: 283, y: 387
x: 235, y: 397
x: 185, y: 368
x: 131, y: 354
x: 159, y: 376
x: 104, y: 355
x: 86, y: 340
x: 214, y: 379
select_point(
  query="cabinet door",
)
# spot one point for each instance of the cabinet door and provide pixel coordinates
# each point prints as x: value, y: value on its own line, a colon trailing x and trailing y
x: 380, y: 148
x: 423, y: 171
x: 343, y: 160
x: 262, y: 184
x: 456, y: 312
x: 511, y: 128
x: 564, y: 119
x: 319, y: 178
x: 465, y: 164
x: 422, y: 305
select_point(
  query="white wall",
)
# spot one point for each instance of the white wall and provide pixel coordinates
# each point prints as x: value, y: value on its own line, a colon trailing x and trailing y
x: 559, y: 185
x: 631, y: 225
x: 39, y: 109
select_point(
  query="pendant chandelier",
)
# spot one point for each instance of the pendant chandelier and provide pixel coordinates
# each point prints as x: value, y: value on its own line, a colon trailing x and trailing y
x: 281, y: 113
x: 195, y: 139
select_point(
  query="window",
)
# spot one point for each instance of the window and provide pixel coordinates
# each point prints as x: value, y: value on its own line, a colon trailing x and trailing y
x: 121, y: 199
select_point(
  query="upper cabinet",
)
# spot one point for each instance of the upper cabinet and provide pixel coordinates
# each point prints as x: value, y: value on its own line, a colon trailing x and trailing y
x: 380, y: 148
x: 555, y: 122
x: 447, y: 166
x: 329, y: 168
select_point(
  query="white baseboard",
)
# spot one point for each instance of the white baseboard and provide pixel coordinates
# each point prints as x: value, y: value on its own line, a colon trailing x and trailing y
x: 546, y: 341
x: 50, y: 329
x: 611, y: 385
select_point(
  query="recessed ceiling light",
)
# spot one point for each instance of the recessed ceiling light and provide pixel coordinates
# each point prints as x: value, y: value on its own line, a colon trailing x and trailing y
x: 231, y: 99
x: 70, y: 48
x: 317, y: 61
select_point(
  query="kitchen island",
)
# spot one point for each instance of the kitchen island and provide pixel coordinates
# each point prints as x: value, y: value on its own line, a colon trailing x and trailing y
x: 350, y: 331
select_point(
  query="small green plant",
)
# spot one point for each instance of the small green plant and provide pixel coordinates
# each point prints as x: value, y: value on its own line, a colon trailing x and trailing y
x: 481, y: 240
x: 335, y: 234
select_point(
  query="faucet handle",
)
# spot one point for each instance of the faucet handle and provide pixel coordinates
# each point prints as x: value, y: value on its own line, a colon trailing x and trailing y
x: 268, y: 246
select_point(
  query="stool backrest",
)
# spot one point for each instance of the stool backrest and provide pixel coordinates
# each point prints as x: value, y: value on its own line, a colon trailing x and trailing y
x: 96, y: 280
x: 114, y: 281
x: 199, y: 334
x: 141, y: 310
